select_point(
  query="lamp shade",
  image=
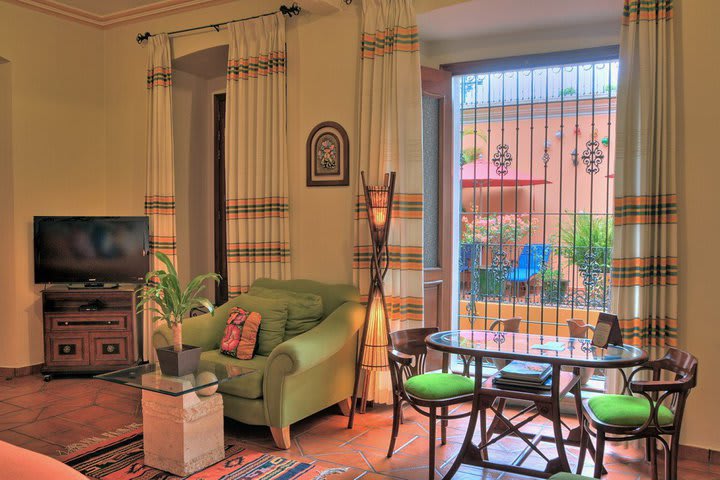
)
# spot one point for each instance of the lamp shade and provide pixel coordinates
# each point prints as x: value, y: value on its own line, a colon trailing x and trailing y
x: 376, y: 342
x: 379, y: 198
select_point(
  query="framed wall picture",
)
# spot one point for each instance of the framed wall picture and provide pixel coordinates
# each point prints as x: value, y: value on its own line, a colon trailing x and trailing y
x: 328, y: 156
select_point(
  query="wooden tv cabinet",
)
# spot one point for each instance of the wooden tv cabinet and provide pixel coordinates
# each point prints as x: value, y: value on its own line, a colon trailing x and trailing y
x: 81, y: 341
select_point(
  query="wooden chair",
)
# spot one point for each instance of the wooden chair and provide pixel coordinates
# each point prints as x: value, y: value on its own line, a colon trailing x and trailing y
x: 424, y: 392
x: 580, y: 329
x: 619, y: 418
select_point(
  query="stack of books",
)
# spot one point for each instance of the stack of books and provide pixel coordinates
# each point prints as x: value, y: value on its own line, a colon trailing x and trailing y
x: 524, y: 376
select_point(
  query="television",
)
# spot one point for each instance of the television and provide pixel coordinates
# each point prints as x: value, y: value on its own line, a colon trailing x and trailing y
x: 91, y: 251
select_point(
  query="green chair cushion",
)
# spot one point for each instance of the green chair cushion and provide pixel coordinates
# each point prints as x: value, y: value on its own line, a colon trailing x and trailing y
x: 248, y: 386
x: 272, y: 326
x: 305, y: 310
x: 437, y: 386
x: 569, y: 476
x: 625, y: 410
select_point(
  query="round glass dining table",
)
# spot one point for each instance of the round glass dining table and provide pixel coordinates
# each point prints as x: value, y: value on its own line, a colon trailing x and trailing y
x: 559, y: 352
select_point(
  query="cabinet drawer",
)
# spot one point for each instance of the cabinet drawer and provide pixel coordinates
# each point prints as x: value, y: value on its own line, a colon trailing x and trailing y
x: 67, y: 350
x: 65, y: 322
x: 108, y: 349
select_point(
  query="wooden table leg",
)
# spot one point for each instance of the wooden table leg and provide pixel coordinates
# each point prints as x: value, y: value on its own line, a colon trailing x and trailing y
x: 468, y: 449
x: 556, y: 420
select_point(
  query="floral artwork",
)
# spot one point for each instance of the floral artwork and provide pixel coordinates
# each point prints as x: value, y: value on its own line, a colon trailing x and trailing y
x: 328, y: 151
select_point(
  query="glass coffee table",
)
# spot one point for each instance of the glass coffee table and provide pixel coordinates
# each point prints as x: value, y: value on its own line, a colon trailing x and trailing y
x: 182, y: 416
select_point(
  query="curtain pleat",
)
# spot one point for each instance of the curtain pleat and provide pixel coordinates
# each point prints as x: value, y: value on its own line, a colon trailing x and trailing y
x: 258, y: 239
x: 390, y: 140
x: 160, y: 178
x: 645, y: 263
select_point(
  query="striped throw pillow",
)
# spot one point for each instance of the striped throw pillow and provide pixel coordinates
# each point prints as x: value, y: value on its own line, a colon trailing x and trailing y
x: 240, y: 334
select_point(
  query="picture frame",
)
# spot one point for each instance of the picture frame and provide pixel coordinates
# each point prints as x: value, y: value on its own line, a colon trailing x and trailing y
x: 328, y: 156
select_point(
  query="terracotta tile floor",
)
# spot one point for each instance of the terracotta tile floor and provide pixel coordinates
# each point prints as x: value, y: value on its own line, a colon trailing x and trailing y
x: 47, y: 417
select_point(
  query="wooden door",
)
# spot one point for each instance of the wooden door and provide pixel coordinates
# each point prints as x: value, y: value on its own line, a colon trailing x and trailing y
x: 438, y: 181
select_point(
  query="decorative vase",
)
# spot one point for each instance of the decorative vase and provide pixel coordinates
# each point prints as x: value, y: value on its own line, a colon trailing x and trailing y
x: 180, y: 363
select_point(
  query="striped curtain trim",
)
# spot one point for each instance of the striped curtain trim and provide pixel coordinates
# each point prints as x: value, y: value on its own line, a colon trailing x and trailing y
x: 261, y: 252
x: 644, y: 271
x: 235, y: 290
x: 389, y: 41
x: 159, y: 205
x: 254, y: 67
x: 257, y: 207
x: 402, y: 308
x: 649, y: 332
x: 635, y: 11
x: 164, y: 244
x: 401, y: 257
x: 405, y: 205
x: 159, y: 77
x: 646, y: 209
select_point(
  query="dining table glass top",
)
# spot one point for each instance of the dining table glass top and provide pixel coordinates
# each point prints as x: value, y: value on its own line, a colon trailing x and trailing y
x: 533, y: 347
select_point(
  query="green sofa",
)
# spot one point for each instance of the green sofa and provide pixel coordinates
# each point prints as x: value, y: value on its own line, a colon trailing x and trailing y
x: 301, y: 376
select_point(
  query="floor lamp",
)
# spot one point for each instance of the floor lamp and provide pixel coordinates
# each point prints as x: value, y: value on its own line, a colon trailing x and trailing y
x: 372, y: 357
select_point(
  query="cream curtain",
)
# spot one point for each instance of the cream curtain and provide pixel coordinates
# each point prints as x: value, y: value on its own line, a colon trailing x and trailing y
x: 390, y: 140
x: 645, y: 253
x: 160, y: 179
x: 258, y: 239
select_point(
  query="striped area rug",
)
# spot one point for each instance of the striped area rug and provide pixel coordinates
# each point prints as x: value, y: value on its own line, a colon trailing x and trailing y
x: 121, y: 458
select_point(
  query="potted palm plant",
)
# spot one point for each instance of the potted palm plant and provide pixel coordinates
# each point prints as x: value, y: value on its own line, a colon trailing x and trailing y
x: 164, y: 297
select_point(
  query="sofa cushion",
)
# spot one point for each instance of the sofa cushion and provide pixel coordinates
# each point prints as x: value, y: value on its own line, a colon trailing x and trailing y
x: 332, y: 295
x: 274, y: 315
x: 305, y: 310
x: 248, y: 386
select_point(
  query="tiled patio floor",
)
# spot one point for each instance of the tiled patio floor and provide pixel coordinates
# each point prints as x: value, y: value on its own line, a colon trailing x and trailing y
x: 46, y: 417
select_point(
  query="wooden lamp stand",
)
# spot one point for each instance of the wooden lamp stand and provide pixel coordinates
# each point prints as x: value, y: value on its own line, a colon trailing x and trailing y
x: 376, y: 329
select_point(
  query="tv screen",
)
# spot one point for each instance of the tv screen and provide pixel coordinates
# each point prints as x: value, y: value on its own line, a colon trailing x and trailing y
x: 91, y: 249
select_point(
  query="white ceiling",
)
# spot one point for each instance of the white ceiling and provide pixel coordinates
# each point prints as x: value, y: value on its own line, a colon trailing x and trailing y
x: 478, y: 18
x: 107, y: 7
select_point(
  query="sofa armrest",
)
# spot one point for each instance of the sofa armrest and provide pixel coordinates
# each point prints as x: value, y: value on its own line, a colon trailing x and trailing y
x: 203, y: 331
x: 317, y: 345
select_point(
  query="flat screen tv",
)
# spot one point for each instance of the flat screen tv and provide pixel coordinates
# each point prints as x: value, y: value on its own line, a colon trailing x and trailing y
x: 91, y: 251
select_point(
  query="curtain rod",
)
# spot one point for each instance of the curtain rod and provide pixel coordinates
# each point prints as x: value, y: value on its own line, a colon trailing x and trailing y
x: 285, y: 10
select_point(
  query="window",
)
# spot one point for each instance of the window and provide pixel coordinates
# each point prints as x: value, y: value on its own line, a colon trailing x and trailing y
x: 536, y: 183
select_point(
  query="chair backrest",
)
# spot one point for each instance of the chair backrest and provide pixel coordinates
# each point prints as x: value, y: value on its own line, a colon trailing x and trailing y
x: 578, y: 328
x: 683, y: 364
x: 412, y: 342
x: 508, y: 325
x: 532, y: 256
x: 468, y: 253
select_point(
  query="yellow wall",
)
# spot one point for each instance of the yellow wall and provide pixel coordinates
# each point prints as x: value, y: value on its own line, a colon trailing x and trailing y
x: 57, y: 164
x: 696, y: 37
x: 78, y: 147
x: 322, y: 84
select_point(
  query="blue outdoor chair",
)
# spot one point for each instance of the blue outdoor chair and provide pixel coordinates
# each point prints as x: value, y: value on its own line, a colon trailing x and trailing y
x: 529, y: 264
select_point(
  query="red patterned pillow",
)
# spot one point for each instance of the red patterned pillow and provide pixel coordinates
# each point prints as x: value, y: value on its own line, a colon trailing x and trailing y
x: 240, y: 334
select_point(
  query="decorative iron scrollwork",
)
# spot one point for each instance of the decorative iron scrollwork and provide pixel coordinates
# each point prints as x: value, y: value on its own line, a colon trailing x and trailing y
x: 500, y: 266
x: 592, y: 157
x: 502, y: 159
x: 546, y: 158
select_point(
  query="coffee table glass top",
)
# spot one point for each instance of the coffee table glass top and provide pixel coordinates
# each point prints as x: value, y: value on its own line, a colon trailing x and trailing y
x: 538, y: 348
x: 149, y: 377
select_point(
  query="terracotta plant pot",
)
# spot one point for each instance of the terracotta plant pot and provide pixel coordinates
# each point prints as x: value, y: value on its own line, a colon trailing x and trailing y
x: 180, y: 363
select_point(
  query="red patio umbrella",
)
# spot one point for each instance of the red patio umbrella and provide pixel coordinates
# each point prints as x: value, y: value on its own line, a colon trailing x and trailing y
x: 476, y: 174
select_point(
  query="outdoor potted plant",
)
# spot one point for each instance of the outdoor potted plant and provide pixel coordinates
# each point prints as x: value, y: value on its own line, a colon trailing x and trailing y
x: 164, y: 297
